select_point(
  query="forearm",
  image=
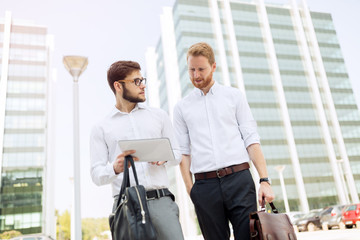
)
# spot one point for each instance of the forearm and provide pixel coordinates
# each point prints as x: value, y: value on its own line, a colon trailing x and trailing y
x: 185, y: 172
x: 257, y: 157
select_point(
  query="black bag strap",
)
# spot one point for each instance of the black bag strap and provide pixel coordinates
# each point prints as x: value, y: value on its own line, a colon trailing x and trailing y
x: 132, y: 164
x: 126, y: 178
x: 273, y: 208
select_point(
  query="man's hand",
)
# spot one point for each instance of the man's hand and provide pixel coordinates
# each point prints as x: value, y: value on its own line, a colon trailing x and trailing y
x: 159, y: 163
x: 188, y: 188
x: 185, y: 172
x: 265, y: 192
x: 120, y: 161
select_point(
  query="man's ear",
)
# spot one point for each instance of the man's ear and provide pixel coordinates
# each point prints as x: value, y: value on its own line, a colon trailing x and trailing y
x: 213, y: 67
x: 117, y: 86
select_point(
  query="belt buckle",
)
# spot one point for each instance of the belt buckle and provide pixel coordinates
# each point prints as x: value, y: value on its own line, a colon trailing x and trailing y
x: 218, y: 173
x: 148, y: 199
x: 159, y: 191
x: 152, y: 198
x: 157, y: 195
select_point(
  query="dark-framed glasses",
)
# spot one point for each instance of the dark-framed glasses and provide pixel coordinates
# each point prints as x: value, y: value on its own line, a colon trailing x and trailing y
x: 137, y: 81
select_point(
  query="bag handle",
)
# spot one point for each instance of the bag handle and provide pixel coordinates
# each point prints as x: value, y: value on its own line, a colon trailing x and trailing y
x: 126, y: 179
x: 273, y: 208
x: 132, y: 164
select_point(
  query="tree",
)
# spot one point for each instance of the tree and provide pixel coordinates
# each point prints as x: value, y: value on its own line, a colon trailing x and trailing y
x: 63, y: 226
x: 10, y: 234
x: 91, y: 227
x: 94, y: 227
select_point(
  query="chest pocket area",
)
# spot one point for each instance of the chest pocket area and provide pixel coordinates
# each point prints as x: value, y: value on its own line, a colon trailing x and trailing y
x: 153, y: 130
x: 196, y: 116
x: 225, y: 114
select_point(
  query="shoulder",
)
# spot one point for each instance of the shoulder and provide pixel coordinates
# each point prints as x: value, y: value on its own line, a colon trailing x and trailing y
x: 231, y: 92
x: 98, y: 127
x: 187, y: 100
x: 229, y: 89
x: 156, y: 111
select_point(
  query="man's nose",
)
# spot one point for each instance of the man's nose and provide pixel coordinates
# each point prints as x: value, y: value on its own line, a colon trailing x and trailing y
x: 196, y: 74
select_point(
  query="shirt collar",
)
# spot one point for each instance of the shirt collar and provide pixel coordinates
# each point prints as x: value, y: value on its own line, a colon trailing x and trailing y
x: 212, y: 90
x: 138, y: 106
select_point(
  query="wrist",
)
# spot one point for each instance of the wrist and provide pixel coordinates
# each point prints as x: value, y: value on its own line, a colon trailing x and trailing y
x: 265, y: 180
x: 114, y: 168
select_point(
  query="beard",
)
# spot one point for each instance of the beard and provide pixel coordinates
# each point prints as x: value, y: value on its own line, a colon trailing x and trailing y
x: 204, y: 83
x: 131, y: 98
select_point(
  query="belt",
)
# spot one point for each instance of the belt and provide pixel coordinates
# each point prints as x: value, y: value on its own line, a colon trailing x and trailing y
x: 158, y: 193
x: 222, y: 172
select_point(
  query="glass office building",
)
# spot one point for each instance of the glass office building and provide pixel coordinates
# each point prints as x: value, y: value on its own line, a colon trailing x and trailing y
x: 26, y: 203
x: 288, y: 61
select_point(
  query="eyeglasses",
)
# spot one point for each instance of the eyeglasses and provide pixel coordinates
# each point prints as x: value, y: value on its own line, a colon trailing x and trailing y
x: 137, y: 81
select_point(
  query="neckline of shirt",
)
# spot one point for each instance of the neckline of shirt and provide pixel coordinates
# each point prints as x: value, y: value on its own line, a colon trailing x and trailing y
x: 212, y: 90
x: 137, y: 107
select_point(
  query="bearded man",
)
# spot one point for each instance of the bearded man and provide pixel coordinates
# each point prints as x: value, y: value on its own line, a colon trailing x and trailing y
x: 130, y: 119
x: 217, y: 136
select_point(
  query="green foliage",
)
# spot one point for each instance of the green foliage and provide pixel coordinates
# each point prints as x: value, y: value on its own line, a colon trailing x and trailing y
x: 10, y: 234
x: 91, y: 227
x: 63, y: 226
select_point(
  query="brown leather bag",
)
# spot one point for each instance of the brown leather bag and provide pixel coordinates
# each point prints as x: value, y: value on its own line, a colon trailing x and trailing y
x: 270, y: 226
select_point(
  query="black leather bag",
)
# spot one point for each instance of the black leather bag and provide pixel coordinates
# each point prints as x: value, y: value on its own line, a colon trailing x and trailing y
x: 131, y: 219
x: 270, y: 226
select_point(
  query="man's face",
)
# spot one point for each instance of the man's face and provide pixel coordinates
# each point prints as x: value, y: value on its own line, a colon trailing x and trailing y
x: 200, y: 71
x: 131, y: 92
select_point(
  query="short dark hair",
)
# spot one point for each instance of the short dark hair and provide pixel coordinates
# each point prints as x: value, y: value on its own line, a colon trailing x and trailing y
x: 119, y: 70
x: 201, y: 49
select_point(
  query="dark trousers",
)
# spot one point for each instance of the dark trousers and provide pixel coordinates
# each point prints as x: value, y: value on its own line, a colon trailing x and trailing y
x: 220, y: 200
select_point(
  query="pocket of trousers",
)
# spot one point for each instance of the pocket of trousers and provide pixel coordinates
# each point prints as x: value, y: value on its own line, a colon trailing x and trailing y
x: 192, y: 192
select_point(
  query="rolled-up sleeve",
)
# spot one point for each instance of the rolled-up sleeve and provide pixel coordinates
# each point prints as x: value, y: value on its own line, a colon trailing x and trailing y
x: 246, y: 122
x: 102, y: 171
x: 181, y: 131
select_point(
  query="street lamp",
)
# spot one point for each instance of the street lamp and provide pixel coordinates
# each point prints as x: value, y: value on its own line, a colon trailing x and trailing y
x: 76, y: 65
x: 280, y: 169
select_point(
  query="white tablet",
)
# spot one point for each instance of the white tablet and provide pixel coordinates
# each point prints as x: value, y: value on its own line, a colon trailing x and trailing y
x: 149, y: 150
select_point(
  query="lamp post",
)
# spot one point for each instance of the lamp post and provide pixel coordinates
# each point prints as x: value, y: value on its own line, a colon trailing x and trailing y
x: 76, y: 65
x: 280, y: 169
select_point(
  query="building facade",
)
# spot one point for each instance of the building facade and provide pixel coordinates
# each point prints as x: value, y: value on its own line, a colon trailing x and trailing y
x: 26, y: 199
x: 288, y: 61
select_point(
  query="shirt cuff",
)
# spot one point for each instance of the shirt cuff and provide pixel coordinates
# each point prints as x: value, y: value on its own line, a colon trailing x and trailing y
x: 185, y: 151
x: 110, y: 170
x: 184, y: 143
x: 251, y: 139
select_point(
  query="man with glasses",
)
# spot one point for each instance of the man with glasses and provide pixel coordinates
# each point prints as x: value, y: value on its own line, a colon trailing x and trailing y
x: 217, y: 136
x: 131, y: 119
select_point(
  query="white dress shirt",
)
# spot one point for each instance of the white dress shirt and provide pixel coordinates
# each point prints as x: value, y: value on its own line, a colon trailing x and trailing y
x: 142, y: 122
x: 215, y: 129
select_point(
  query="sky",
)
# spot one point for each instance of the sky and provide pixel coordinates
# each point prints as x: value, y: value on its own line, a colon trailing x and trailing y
x: 111, y: 30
